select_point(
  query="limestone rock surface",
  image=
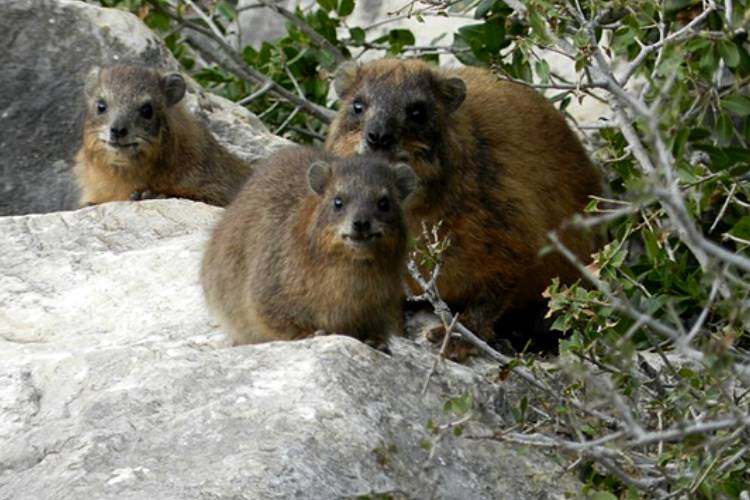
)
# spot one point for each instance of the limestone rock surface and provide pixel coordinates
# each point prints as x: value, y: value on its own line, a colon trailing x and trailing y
x: 115, y: 383
x: 48, y: 47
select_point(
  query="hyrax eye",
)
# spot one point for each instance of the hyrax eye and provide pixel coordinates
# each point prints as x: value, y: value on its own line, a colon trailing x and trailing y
x: 417, y: 112
x: 358, y: 106
x: 101, y: 106
x: 338, y: 203
x: 384, y: 204
x: 147, y: 111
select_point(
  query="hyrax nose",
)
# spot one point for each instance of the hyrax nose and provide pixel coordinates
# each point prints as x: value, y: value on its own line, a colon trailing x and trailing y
x: 118, y: 132
x: 380, y: 140
x: 361, y: 226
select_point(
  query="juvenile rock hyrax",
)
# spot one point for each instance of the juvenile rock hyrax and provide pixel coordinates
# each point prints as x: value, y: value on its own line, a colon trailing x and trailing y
x: 139, y: 141
x: 496, y: 163
x: 313, y: 244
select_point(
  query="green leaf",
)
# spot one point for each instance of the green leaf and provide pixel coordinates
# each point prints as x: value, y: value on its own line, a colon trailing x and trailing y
x: 623, y: 38
x: 473, y: 33
x: 327, y: 5
x: 226, y: 10
x: 537, y: 24
x: 738, y: 104
x: 542, y: 69
x: 652, y: 247
x: 708, y: 62
x: 494, y: 34
x: 398, y: 39
x: 679, y: 141
x: 742, y: 228
x: 345, y: 8
x: 357, y: 34
x: 724, y: 129
x: 158, y: 21
x: 459, y: 405
x: 729, y: 53
x: 697, y: 134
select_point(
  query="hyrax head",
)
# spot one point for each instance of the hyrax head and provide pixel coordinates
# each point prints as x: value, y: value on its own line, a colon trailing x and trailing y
x: 394, y: 106
x: 361, y: 211
x: 126, y: 106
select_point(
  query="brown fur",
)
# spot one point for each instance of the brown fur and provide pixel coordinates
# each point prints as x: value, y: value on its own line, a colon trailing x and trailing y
x: 177, y: 155
x: 500, y: 169
x: 277, y: 267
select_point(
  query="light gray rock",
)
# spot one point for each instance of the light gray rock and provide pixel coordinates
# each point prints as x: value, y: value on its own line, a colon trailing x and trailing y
x: 116, y: 383
x: 48, y: 46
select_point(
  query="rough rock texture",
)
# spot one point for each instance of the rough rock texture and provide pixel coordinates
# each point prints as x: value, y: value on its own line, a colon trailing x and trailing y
x: 116, y: 383
x: 48, y: 46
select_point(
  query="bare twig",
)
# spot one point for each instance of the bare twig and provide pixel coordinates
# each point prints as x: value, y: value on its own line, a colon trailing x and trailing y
x: 316, y: 37
x: 431, y: 293
x: 233, y: 61
x: 440, y: 355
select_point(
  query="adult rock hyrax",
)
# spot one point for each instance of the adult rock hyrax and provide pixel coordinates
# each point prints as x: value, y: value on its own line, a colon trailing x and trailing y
x: 140, y: 141
x: 313, y: 244
x: 496, y: 162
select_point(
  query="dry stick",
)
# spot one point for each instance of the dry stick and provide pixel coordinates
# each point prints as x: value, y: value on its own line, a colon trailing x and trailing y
x: 307, y: 30
x: 740, y: 370
x: 443, y: 431
x: 423, y: 12
x: 597, y: 446
x: 443, y: 312
x: 241, y: 69
x: 595, y: 450
x: 645, y: 51
x: 257, y: 94
x: 250, y: 75
x: 206, y: 18
x: 441, y: 354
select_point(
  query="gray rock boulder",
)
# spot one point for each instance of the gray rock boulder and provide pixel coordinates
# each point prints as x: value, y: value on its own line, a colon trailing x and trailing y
x: 116, y: 383
x: 48, y: 48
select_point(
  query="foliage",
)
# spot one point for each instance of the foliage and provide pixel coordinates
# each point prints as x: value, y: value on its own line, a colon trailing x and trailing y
x: 652, y: 387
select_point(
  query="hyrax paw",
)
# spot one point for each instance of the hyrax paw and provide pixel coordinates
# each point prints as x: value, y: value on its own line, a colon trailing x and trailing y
x: 435, y: 334
x: 457, y: 350
x: 378, y: 344
x: 322, y: 333
x: 146, y: 195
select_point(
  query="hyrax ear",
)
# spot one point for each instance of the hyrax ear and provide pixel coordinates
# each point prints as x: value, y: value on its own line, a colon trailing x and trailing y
x: 344, y: 78
x: 174, y: 87
x: 454, y: 93
x: 406, y: 180
x: 318, y: 175
x: 92, y: 80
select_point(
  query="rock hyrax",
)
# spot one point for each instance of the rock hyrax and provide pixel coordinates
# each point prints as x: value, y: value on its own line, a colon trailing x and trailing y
x: 140, y: 141
x: 496, y: 162
x: 314, y: 243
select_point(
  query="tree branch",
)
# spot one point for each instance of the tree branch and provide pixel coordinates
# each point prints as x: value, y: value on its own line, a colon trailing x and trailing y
x: 233, y: 62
